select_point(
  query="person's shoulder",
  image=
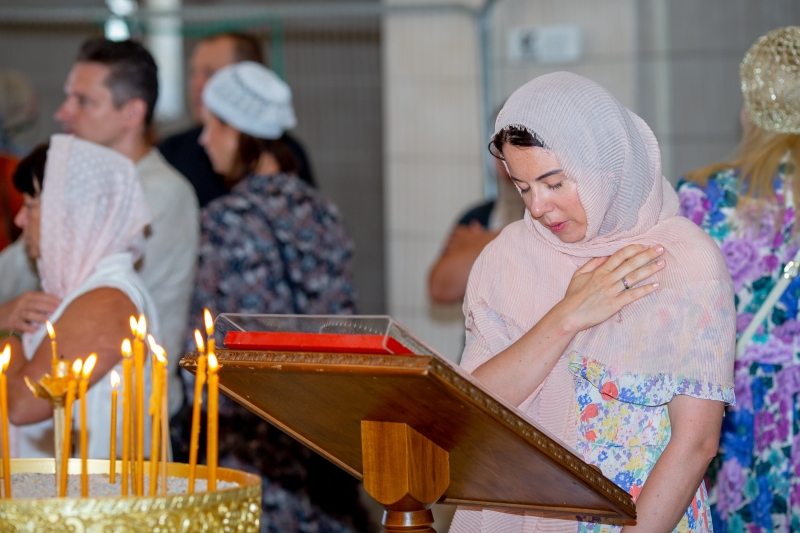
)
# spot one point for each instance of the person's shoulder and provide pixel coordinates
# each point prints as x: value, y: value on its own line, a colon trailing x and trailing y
x: 178, y: 141
x: 498, y: 264
x: 479, y: 213
x: 299, y: 193
x: 157, y: 167
x: 513, y: 233
x: 687, y: 238
x: 724, y: 176
x: 158, y: 175
x: 709, y: 204
x: 505, y: 249
x: 225, y: 214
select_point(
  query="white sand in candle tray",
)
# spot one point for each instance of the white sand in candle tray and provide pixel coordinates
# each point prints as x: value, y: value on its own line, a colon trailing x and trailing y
x: 25, y: 486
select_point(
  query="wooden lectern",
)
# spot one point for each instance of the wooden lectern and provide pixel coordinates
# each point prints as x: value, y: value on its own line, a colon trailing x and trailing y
x: 415, y: 428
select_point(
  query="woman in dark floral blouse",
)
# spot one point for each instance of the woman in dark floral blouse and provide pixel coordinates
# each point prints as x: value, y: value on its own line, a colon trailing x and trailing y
x: 272, y: 245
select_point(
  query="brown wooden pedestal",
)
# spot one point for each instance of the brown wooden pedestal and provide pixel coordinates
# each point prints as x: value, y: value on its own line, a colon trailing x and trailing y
x: 405, y: 472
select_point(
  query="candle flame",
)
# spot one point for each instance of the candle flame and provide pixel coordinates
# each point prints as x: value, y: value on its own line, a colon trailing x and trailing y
x: 114, y: 379
x: 142, y: 327
x: 151, y: 342
x: 198, y: 339
x: 134, y: 325
x: 209, y: 322
x: 161, y: 355
x: 5, y: 358
x: 88, y: 366
x: 126, y: 348
x: 76, y: 367
x: 50, y: 330
x: 212, y: 361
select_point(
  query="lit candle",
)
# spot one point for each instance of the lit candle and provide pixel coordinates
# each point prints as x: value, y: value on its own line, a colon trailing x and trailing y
x: 164, y: 422
x: 127, y: 405
x: 138, y: 360
x: 199, y: 381
x: 213, y: 410
x: 149, y: 344
x: 52, y: 333
x: 155, y: 413
x: 209, y: 322
x: 5, y: 358
x: 112, y: 452
x: 88, y: 366
x: 65, y: 452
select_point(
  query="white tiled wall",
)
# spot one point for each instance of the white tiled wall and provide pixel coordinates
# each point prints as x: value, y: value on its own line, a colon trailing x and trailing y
x: 432, y: 158
x: 608, y: 51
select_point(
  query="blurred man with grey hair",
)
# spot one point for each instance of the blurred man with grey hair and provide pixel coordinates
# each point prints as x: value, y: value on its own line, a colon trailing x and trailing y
x: 183, y: 150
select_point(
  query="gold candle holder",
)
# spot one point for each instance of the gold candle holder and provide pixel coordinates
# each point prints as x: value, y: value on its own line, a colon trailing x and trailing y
x: 233, y: 510
x: 54, y: 390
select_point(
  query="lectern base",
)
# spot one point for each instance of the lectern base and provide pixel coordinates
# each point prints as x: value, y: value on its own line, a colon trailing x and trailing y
x: 405, y: 472
x: 411, y: 521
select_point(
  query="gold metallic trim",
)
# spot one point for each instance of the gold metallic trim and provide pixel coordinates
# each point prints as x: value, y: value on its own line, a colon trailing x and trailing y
x: 312, y: 358
x: 584, y: 472
x: 235, y: 510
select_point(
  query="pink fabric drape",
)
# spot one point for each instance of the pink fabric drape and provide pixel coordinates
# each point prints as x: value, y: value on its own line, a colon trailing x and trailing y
x: 92, y: 206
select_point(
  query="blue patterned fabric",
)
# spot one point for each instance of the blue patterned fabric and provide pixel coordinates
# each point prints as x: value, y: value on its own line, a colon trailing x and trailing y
x: 755, y: 479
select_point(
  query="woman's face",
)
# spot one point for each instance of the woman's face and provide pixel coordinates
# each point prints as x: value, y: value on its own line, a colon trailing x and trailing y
x: 221, y: 143
x: 28, y: 220
x: 549, y: 195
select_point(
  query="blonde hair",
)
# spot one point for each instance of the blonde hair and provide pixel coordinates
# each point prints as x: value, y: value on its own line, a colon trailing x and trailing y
x: 760, y: 155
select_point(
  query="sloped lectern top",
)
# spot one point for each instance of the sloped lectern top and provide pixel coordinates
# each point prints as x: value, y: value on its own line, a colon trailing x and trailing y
x: 497, y: 457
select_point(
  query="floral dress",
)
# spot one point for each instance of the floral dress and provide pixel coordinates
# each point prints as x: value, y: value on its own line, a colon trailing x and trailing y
x: 623, y: 427
x: 755, y: 479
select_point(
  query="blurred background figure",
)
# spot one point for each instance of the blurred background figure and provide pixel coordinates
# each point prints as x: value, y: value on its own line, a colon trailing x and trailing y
x: 110, y: 97
x: 183, y: 150
x: 447, y: 281
x: 83, y: 223
x: 273, y: 244
x: 19, y: 113
x: 111, y: 93
x: 748, y: 206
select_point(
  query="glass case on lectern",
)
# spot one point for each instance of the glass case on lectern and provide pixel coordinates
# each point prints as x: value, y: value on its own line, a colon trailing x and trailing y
x: 317, y: 333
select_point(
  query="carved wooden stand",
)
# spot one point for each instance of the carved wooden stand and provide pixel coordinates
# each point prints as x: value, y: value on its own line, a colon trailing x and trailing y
x: 405, y: 472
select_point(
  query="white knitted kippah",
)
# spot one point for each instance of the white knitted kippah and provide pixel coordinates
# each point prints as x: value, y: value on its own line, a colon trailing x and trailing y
x: 251, y: 98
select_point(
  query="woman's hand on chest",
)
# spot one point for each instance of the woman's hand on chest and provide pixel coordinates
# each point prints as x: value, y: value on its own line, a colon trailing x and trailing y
x: 604, y: 285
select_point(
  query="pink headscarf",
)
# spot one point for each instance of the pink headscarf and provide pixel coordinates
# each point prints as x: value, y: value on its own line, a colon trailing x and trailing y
x: 678, y: 340
x: 92, y: 206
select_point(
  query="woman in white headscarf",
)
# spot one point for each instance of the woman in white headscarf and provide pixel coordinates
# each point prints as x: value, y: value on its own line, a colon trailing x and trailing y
x: 83, y: 223
x: 273, y: 244
x: 602, y: 315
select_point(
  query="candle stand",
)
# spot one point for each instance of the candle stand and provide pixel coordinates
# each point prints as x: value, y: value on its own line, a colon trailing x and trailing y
x: 233, y: 510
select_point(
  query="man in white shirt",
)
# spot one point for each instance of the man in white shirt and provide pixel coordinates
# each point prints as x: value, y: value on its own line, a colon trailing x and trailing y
x: 111, y: 93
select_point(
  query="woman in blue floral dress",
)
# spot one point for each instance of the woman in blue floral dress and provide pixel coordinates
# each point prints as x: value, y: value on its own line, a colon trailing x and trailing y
x: 755, y: 480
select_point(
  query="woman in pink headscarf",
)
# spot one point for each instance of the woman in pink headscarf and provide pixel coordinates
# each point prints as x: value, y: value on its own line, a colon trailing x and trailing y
x: 604, y: 316
x: 83, y: 223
